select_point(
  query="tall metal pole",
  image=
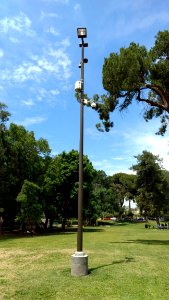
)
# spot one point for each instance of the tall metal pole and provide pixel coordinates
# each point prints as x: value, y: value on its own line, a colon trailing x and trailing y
x: 80, y: 193
x: 79, y: 263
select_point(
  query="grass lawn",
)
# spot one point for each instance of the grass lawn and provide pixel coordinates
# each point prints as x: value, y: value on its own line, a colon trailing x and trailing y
x: 125, y: 262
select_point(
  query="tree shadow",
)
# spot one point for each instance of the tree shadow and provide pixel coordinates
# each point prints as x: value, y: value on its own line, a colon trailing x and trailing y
x: 12, y: 236
x: 121, y: 261
x: 152, y: 242
x: 94, y: 229
x: 58, y: 231
x: 146, y: 242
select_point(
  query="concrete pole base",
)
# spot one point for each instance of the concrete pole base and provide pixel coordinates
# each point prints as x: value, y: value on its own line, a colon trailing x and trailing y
x: 79, y: 264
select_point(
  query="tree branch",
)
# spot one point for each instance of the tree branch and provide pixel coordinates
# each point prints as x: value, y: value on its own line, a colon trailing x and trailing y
x: 160, y: 92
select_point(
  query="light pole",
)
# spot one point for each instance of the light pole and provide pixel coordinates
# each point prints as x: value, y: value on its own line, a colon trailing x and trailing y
x: 79, y: 259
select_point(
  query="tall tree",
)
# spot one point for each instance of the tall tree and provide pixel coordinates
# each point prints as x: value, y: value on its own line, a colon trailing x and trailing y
x: 4, y: 160
x: 30, y: 212
x: 27, y: 161
x: 136, y: 73
x: 103, y: 197
x: 61, y: 185
x: 152, y: 185
x: 21, y: 157
x: 124, y: 184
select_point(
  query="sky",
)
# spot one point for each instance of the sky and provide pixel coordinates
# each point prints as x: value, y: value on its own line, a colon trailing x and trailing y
x: 39, y: 58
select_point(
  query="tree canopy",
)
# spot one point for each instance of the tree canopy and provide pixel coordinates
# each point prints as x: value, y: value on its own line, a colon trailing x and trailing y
x: 125, y: 186
x: 22, y: 157
x: 61, y: 185
x: 137, y: 74
x: 152, y: 184
x: 35, y: 186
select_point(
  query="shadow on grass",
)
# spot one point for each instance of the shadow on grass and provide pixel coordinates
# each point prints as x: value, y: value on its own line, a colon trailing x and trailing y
x: 152, y: 242
x: 57, y: 231
x: 146, y: 242
x: 121, y: 261
x: 10, y: 236
x: 93, y: 229
x: 104, y: 224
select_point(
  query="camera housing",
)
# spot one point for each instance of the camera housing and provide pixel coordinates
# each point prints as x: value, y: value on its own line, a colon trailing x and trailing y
x: 93, y: 105
x: 78, y: 86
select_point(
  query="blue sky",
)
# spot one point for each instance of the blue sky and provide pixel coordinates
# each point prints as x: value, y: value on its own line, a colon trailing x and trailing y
x: 39, y: 57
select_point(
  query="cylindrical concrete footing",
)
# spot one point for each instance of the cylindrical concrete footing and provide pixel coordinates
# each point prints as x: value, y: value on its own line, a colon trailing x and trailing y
x: 79, y: 264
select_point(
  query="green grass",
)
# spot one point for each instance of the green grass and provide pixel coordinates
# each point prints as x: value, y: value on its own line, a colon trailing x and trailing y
x: 125, y: 262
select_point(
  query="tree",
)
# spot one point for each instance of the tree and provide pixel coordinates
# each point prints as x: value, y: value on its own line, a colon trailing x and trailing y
x: 30, y: 212
x: 4, y: 162
x: 124, y: 184
x: 107, y: 199
x: 136, y: 73
x: 101, y: 204
x: 61, y: 185
x: 27, y: 160
x: 21, y: 157
x: 152, y: 185
x: 4, y: 115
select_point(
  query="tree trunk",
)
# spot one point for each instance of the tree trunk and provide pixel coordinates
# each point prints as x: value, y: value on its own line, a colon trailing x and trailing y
x: 46, y: 224
x: 51, y: 223
x: 63, y: 224
x: 146, y: 218
x: 1, y: 223
x: 158, y: 221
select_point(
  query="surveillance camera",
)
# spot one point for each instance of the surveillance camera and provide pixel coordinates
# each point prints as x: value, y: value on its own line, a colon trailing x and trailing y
x: 85, y: 101
x: 93, y: 104
x: 78, y: 86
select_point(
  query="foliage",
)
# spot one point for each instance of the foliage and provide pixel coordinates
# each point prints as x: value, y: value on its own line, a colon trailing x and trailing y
x: 152, y: 184
x: 22, y: 157
x: 105, y: 197
x: 4, y: 115
x: 61, y: 184
x: 136, y: 73
x: 27, y: 160
x: 124, y: 185
x: 30, y: 209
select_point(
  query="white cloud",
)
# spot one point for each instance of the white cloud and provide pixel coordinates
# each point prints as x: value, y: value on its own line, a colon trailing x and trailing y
x: 118, y: 158
x: 20, y: 23
x: 103, y: 165
x: 77, y: 7
x: 55, y: 62
x: 67, y: 87
x: 57, y: 1
x: 31, y: 121
x: 61, y: 1
x: 28, y: 102
x: 26, y: 71
x: 54, y: 92
x: 125, y: 28
x: 65, y: 42
x: 53, y: 31
x: 110, y: 167
x: 48, y: 15
x: 155, y: 144
x: 94, y: 133
x: 14, y: 40
x: 41, y: 93
x: 44, y: 94
x: 127, y: 143
x: 151, y: 19
x: 1, y: 53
